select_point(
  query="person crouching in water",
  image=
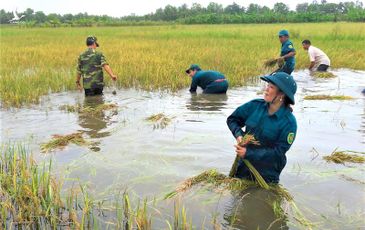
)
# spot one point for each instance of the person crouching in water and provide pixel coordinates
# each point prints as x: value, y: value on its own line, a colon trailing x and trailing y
x: 272, y: 123
x: 319, y: 61
x: 212, y: 82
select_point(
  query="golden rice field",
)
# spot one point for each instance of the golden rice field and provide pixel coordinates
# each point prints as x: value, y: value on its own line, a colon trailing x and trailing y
x: 38, y: 61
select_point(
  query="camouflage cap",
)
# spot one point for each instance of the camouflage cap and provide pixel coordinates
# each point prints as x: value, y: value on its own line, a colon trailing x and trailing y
x: 90, y: 40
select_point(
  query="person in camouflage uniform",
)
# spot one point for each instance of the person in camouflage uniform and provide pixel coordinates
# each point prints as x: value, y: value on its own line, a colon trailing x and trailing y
x: 90, y: 67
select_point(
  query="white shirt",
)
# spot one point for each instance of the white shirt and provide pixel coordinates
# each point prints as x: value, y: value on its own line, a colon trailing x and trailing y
x: 318, y: 56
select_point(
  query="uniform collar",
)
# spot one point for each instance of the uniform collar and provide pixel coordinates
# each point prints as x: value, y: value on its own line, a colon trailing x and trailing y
x: 284, y: 43
x: 91, y: 49
x: 280, y: 113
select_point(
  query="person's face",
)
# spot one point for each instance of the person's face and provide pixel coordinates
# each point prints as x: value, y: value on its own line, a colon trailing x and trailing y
x: 271, y: 92
x: 283, y: 39
x: 192, y: 73
x: 305, y: 46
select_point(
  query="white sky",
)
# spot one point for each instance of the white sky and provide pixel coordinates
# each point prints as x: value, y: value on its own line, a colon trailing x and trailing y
x: 122, y: 8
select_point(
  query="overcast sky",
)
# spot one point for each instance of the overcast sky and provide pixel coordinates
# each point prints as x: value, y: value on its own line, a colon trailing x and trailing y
x: 119, y: 8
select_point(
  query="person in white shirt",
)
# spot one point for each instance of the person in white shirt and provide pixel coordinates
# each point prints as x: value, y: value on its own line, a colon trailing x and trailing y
x: 319, y: 60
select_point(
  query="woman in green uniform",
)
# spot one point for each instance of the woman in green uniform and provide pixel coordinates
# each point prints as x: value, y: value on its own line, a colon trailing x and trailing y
x: 272, y: 123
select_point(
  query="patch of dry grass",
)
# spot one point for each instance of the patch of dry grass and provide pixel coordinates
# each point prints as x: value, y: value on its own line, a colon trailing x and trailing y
x: 323, y: 75
x: 328, y: 97
x: 88, y: 110
x: 61, y: 141
x: 342, y: 157
x: 160, y: 120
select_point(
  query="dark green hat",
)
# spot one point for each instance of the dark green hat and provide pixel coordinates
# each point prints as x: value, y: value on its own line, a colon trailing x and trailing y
x: 193, y: 67
x: 91, y: 40
x: 284, y: 82
x: 283, y: 33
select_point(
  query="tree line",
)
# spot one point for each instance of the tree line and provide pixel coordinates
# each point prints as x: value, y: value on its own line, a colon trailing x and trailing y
x: 214, y: 13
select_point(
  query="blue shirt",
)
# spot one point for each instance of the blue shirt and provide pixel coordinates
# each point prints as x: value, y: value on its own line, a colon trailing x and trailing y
x: 275, y: 132
x: 286, y: 48
x: 204, y: 78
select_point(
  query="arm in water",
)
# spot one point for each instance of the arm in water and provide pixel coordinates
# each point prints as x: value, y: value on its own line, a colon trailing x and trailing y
x: 194, y: 85
x: 78, y: 76
x: 311, y: 65
x: 110, y: 72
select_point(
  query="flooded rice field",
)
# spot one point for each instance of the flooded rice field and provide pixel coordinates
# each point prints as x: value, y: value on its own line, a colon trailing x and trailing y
x: 149, y: 159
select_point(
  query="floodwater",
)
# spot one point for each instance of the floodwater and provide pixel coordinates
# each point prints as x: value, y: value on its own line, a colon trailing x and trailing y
x: 131, y: 153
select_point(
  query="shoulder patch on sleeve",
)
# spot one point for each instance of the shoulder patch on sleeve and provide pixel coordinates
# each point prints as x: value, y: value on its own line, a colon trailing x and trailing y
x: 290, y: 46
x: 290, y: 138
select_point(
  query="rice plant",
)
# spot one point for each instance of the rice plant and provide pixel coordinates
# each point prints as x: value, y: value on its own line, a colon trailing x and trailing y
x: 154, y: 57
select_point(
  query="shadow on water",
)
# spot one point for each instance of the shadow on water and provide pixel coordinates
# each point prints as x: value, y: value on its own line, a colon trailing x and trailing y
x: 95, y: 125
x: 207, y: 102
x: 254, y: 208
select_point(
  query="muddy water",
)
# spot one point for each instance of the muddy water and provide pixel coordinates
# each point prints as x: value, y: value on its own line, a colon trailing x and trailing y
x: 131, y: 153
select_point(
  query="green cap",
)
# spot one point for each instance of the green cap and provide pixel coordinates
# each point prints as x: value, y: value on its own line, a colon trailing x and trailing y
x: 284, y: 82
x: 91, y: 40
x: 283, y: 33
x: 193, y: 67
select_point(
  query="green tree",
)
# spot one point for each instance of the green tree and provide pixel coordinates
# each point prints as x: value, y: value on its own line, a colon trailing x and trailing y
x: 214, y: 8
x: 234, y: 8
x: 281, y: 8
x: 302, y: 7
x: 5, y: 17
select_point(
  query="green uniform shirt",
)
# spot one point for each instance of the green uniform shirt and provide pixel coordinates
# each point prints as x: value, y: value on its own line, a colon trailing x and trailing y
x: 90, y: 67
x: 286, y: 48
x: 276, y: 133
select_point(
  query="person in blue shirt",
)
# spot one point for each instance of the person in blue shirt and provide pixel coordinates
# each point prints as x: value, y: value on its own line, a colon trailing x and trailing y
x: 212, y: 82
x: 272, y: 123
x: 287, y: 53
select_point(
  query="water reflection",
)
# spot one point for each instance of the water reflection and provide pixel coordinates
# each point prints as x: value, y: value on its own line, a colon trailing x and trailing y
x: 95, y: 124
x: 255, y: 208
x: 207, y: 102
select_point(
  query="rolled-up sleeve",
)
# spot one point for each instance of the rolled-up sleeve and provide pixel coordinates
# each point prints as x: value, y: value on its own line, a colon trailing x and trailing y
x: 238, y: 118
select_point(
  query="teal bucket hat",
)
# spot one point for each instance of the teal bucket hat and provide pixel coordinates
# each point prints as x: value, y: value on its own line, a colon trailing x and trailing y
x: 284, y: 82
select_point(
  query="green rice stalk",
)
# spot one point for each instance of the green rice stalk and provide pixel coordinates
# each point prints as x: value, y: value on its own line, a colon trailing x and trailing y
x: 247, y: 139
x: 256, y: 174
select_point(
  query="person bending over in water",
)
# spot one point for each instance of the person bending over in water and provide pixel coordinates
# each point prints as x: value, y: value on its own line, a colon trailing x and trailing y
x: 212, y: 82
x: 319, y: 61
x: 272, y: 123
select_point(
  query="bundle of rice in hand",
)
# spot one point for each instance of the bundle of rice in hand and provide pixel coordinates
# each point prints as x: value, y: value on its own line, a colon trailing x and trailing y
x: 247, y: 139
x: 274, y: 61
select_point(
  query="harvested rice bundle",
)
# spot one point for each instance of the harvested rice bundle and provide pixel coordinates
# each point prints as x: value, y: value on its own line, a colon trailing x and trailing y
x: 61, y: 141
x: 323, y: 75
x: 247, y: 139
x: 342, y: 157
x: 160, y: 120
x: 327, y: 97
x: 273, y: 61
